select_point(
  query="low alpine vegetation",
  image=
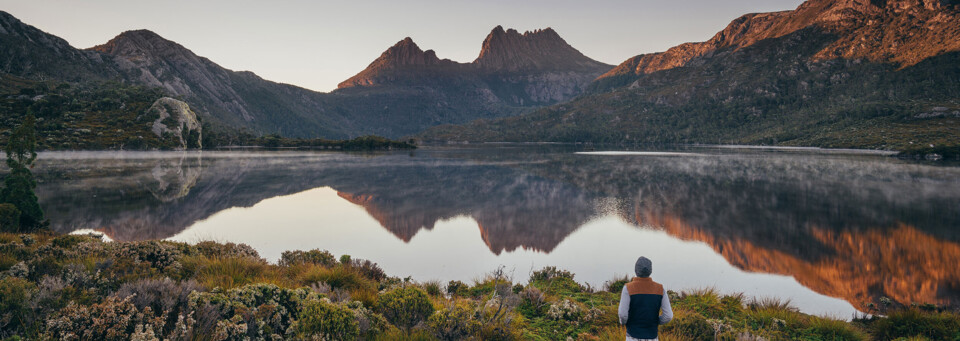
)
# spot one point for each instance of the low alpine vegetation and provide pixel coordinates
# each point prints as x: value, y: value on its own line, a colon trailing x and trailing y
x: 74, y: 287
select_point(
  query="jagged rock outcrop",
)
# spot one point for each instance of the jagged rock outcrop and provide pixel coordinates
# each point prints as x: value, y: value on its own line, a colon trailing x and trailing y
x: 537, y: 51
x: 513, y: 70
x: 176, y: 118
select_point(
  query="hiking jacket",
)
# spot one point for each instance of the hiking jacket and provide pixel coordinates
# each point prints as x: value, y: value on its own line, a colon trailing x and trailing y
x: 644, y: 306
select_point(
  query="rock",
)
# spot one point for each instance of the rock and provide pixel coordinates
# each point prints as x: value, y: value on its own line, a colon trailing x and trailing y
x: 184, y: 122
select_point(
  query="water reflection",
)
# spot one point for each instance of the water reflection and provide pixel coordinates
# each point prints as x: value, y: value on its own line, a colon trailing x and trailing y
x: 851, y: 226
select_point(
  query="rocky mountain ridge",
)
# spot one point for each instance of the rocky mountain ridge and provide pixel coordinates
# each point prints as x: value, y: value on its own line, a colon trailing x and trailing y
x: 514, y: 70
x: 403, y: 92
x: 840, y: 74
x: 898, y: 31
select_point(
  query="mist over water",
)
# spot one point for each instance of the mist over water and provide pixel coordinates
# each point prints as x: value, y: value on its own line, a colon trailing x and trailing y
x: 832, y: 230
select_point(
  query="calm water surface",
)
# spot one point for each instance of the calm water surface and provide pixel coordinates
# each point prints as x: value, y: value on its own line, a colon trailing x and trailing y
x: 833, y: 231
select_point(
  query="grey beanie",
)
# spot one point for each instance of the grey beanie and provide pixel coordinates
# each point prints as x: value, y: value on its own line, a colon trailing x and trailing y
x: 644, y: 267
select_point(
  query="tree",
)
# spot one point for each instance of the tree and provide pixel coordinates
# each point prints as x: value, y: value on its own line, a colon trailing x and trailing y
x: 19, y: 184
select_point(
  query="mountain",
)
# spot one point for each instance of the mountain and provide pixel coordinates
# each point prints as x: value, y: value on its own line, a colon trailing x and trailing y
x: 851, y: 73
x: 30, y: 52
x: 236, y: 99
x: 401, y: 93
x: 899, y: 31
x: 513, y: 71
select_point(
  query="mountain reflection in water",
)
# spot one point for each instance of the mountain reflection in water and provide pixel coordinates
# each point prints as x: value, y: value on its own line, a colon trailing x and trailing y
x: 857, y: 227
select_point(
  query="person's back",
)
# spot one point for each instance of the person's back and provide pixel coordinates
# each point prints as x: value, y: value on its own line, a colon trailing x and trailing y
x: 644, y: 304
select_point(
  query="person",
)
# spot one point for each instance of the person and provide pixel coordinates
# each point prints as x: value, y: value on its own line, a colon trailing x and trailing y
x: 644, y: 304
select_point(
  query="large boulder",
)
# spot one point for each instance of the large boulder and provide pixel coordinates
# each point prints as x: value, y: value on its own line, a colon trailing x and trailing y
x: 175, y: 117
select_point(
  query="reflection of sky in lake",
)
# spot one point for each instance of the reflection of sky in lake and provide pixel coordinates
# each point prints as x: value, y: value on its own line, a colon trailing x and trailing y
x: 454, y: 249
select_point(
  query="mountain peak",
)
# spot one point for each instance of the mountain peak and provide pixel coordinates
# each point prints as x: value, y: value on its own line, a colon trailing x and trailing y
x: 137, y: 43
x: 405, y: 54
x: 542, y: 49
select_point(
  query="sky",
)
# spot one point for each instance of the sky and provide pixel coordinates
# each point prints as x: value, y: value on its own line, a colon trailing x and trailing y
x: 317, y: 44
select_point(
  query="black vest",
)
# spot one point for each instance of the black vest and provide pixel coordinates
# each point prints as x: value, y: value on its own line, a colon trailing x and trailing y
x: 645, y: 299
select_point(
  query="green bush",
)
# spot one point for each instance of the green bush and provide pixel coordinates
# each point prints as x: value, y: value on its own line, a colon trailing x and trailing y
x: 228, y: 250
x: 689, y: 326
x: 827, y: 329
x: 9, y: 218
x: 457, y: 288
x: 327, y: 320
x: 532, y: 302
x: 405, y: 306
x: 16, y: 316
x: 433, y: 288
x: 616, y: 285
x: 319, y: 257
x: 912, y: 322
x: 457, y: 321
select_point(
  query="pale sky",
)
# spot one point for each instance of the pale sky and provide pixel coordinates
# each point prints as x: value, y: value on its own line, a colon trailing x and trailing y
x: 317, y: 44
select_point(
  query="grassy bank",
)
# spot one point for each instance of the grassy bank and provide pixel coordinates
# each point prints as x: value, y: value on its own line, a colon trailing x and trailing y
x: 77, y: 287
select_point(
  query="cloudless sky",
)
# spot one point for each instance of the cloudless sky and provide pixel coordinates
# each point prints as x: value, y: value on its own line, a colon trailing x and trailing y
x: 317, y: 44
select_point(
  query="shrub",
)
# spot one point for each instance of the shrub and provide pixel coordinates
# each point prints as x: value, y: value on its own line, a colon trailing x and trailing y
x: 457, y: 288
x: 9, y: 218
x: 405, y: 306
x: 616, y: 285
x: 517, y: 288
x: 158, y: 255
x: 336, y: 277
x: 16, y: 316
x: 366, y: 269
x: 565, y: 310
x: 548, y: 273
x: 827, y: 329
x: 229, y: 250
x: 165, y: 297
x: 912, y: 322
x: 432, y: 288
x: 689, y: 326
x: 229, y: 273
x: 532, y: 302
x: 326, y: 320
x: 369, y: 322
x: 457, y: 321
x: 112, y: 319
x: 555, y: 281
x: 318, y: 257
x: 253, y: 311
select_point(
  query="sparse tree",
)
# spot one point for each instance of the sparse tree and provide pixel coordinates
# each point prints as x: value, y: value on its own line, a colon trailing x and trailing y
x: 19, y: 184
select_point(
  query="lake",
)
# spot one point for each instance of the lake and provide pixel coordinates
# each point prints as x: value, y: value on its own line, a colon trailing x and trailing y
x: 831, y: 230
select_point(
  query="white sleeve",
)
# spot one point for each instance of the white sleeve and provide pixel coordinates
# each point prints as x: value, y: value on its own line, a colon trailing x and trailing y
x: 666, y: 312
x: 624, y: 309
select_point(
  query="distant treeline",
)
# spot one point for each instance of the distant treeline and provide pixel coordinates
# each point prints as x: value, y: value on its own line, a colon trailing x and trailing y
x: 370, y: 142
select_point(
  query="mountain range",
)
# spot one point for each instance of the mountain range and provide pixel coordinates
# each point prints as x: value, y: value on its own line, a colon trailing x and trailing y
x: 847, y: 73
x: 402, y: 92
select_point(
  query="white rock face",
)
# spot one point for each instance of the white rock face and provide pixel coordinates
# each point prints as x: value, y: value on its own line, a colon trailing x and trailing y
x: 185, y: 120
